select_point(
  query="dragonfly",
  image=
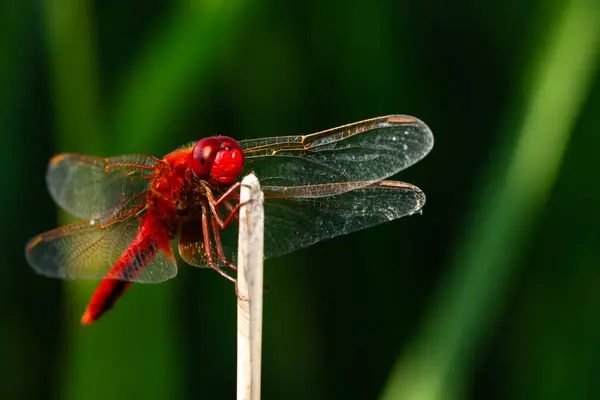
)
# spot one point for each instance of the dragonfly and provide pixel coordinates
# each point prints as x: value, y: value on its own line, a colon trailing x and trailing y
x: 136, y: 209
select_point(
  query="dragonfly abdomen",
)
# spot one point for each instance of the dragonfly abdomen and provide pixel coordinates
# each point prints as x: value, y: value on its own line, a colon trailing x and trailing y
x: 128, y: 267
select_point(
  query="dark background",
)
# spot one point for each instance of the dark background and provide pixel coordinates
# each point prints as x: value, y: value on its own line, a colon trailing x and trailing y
x: 494, y: 292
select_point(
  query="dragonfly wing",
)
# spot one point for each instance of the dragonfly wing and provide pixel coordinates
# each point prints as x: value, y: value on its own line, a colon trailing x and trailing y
x: 193, y: 251
x: 160, y: 268
x: 88, y: 187
x: 293, y: 223
x: 297, y: 217
x: 88, y: 250
x: 191, y: 244
x: 366, y: 151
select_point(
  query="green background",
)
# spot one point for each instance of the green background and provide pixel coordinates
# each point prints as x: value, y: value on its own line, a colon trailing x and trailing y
x: 493, y: 293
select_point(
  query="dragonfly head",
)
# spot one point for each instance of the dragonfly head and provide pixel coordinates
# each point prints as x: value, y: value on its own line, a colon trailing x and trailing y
x: 219, y: 157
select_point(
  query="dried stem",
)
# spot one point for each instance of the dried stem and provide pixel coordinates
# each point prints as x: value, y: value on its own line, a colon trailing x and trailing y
x: 250, y: 290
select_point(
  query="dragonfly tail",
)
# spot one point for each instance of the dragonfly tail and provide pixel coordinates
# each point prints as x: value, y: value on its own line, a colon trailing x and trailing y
x: 132, y: 262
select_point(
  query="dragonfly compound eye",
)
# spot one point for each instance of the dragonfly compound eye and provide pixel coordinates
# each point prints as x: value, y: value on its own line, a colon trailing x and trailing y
x: 229, y: 161
x: 203, y: 156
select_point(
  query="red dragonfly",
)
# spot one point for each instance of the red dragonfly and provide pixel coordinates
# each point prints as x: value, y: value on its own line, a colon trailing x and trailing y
x: 316, y: 187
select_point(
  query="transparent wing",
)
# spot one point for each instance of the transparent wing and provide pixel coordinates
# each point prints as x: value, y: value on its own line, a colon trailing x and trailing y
x: 365, y: 151
x: 88, y: 250
x: 191, y: 244
x: 297, y: 217
x: 192, y: 248
x: 297, y: 222
x: 89, y: 187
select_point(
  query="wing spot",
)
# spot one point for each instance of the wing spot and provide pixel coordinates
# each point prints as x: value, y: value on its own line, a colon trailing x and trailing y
x: 34, y: 242
x: 57, y: 159
x: 402, y: 119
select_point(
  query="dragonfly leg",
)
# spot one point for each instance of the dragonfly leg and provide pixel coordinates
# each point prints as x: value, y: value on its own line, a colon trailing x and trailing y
x: 214, y: 203
x: 208, y: 245
x: 231, y: 209
x: 228, y: 193
x: 233, y: 214
x: 219, y: 246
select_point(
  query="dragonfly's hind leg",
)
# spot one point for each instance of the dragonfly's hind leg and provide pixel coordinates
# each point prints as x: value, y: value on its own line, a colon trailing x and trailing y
x: 208, y: 247
x: 219, y: 246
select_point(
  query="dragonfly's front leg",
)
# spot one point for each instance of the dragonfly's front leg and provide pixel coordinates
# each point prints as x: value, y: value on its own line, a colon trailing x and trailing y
x: 223, y: 200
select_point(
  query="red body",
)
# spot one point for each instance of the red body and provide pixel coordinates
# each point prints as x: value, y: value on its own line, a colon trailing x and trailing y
x: 173, y: 198
x: 131, y: 207
x: 109, y: 290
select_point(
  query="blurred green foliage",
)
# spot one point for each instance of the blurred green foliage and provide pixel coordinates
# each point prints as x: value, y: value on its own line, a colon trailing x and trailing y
x: 492, y: 293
